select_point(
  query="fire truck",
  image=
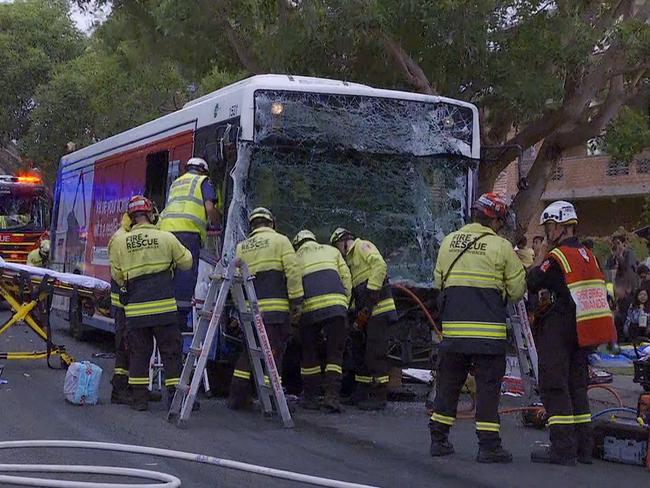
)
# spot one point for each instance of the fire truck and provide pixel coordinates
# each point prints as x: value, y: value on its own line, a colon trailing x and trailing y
x: 25, y: 204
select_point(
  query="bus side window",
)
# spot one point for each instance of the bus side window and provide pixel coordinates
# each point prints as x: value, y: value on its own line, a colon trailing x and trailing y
x: 156, y: 178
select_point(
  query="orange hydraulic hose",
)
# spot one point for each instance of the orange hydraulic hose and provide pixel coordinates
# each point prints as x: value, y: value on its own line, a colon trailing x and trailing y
x: 469, y: 413
x: 609, y: 389
x: 417, y: 300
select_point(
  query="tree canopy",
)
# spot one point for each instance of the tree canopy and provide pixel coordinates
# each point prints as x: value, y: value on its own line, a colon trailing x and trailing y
x: 553, y: 73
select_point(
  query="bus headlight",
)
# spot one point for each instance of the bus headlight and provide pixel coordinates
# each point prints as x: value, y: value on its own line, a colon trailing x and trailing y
x: 277, y: 108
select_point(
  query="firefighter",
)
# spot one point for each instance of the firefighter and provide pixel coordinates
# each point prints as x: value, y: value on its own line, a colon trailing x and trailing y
x: 120, y: 393
x: 476, y: 272
x: 144, y: 260
x: 278, y: 285
x: 189, y: 210
x: 328, y: 286
x: 375, y: 310
x: 40, y: 257
x: 576, y: 317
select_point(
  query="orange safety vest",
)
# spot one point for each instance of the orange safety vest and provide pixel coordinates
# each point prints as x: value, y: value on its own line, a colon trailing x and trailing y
x: 594, y: 321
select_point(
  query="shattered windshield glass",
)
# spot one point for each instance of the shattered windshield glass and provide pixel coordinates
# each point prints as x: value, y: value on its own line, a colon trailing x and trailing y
x: 404, y: 204
x: 393, y: 171
x: 369, y: 124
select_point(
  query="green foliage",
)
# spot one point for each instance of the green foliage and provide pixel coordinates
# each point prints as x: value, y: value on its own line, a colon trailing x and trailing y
x: 515, y: 58
x: 96, y: 96
x: 603, y: 246
x: 218, y: 78
x: 34, y: 37
x: 627, y: 135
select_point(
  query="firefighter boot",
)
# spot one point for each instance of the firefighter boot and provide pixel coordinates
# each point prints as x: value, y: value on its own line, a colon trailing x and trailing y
x: 440, y: 445
x: 240, y: 394
x: 140, y: 399
x: 546, y: 455
x: 331, y: 402
x: 562, y: 449
x: 490, y: 450
x: 585, y: 443
x: 310, y: 392
x: 376, y: 398
x: 120, y: 394
x: 155, y: 396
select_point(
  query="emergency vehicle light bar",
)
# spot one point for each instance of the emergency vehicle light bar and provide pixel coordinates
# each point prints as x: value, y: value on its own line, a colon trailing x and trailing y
x: 31, y: 180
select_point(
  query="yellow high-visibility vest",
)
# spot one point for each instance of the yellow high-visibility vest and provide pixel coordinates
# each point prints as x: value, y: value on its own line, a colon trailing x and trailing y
x: 185, y: 210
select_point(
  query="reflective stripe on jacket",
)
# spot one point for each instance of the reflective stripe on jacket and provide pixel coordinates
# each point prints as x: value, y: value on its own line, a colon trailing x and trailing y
x: 278, y: 279
x: 125, y: 225
x: 326, y: 282
x: 185, y: 210
x: 370, y: 273
x: 586, y: 283
x: 144, y: 259
x: 476, y: 290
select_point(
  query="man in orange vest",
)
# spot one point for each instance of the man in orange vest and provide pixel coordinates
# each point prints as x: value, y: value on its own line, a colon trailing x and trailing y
x: 576, y: 318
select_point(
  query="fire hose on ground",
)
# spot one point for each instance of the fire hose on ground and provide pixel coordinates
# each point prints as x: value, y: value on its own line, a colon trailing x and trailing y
x: 162, y: 480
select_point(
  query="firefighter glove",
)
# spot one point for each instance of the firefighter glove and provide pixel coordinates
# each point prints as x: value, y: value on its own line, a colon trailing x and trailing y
x: 373, y: 297
x: 362, y: 319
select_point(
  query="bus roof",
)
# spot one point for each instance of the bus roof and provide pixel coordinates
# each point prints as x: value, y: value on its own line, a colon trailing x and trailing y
x: 203, y: 111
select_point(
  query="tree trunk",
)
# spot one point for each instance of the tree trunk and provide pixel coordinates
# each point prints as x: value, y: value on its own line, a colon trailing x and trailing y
x: 525, y: 202
x: 489, y: 171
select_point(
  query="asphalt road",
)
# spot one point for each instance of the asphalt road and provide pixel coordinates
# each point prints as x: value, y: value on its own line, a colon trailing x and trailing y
x: 386, y: 449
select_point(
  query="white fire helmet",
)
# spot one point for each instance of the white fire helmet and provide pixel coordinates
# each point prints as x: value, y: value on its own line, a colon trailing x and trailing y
x: 560, y: 212
x: 197, y: 163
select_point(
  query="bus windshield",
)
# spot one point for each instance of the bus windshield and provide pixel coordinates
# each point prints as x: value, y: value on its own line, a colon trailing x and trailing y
x: 394, y: 171
x: 403, y: 203
x: 23, y: 211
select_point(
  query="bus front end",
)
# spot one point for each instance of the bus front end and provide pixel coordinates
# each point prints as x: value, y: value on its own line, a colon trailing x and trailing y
x: 397, y: 169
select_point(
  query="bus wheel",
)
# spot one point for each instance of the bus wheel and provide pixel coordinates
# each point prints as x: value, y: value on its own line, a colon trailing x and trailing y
x: 76, y: 326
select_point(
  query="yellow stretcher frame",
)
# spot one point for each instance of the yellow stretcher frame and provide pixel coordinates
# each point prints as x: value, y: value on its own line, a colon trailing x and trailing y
x: 25, y: 301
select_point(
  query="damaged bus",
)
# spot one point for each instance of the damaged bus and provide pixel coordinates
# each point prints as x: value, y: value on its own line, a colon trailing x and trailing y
x: 394, y: 167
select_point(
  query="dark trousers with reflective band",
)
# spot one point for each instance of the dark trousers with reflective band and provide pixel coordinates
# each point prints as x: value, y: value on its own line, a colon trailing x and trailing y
x: 278, y: 335
x: 451, y: 376
x: 121, y: 372
x: 563, y: 381
x: 373, y: 369
x: 334, y: 329
x: 140, y: 340
x: 185, y: 281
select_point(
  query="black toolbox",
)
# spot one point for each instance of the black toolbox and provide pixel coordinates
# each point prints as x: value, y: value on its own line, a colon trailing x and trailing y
x: 621, y: 441
x: 642, y: 372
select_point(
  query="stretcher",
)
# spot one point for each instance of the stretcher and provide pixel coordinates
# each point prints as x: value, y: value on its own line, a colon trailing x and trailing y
x: 28, y: 290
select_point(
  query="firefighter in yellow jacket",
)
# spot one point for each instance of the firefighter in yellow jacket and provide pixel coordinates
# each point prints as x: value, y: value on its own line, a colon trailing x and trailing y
x: 477, y: 272
x: 144, y: 261
x: 375, y: 308
x: 328, y: 286
x: 189, y: 210
x: 278, y: 285
x: 40, y: 257
x: 120, y: 393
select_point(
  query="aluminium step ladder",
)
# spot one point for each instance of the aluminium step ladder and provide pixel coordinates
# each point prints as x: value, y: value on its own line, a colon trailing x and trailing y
x: 237, y: 283
x: 523, y: 342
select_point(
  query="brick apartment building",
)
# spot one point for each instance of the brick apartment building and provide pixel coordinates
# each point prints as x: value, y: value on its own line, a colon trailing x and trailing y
x: 607, y: 194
